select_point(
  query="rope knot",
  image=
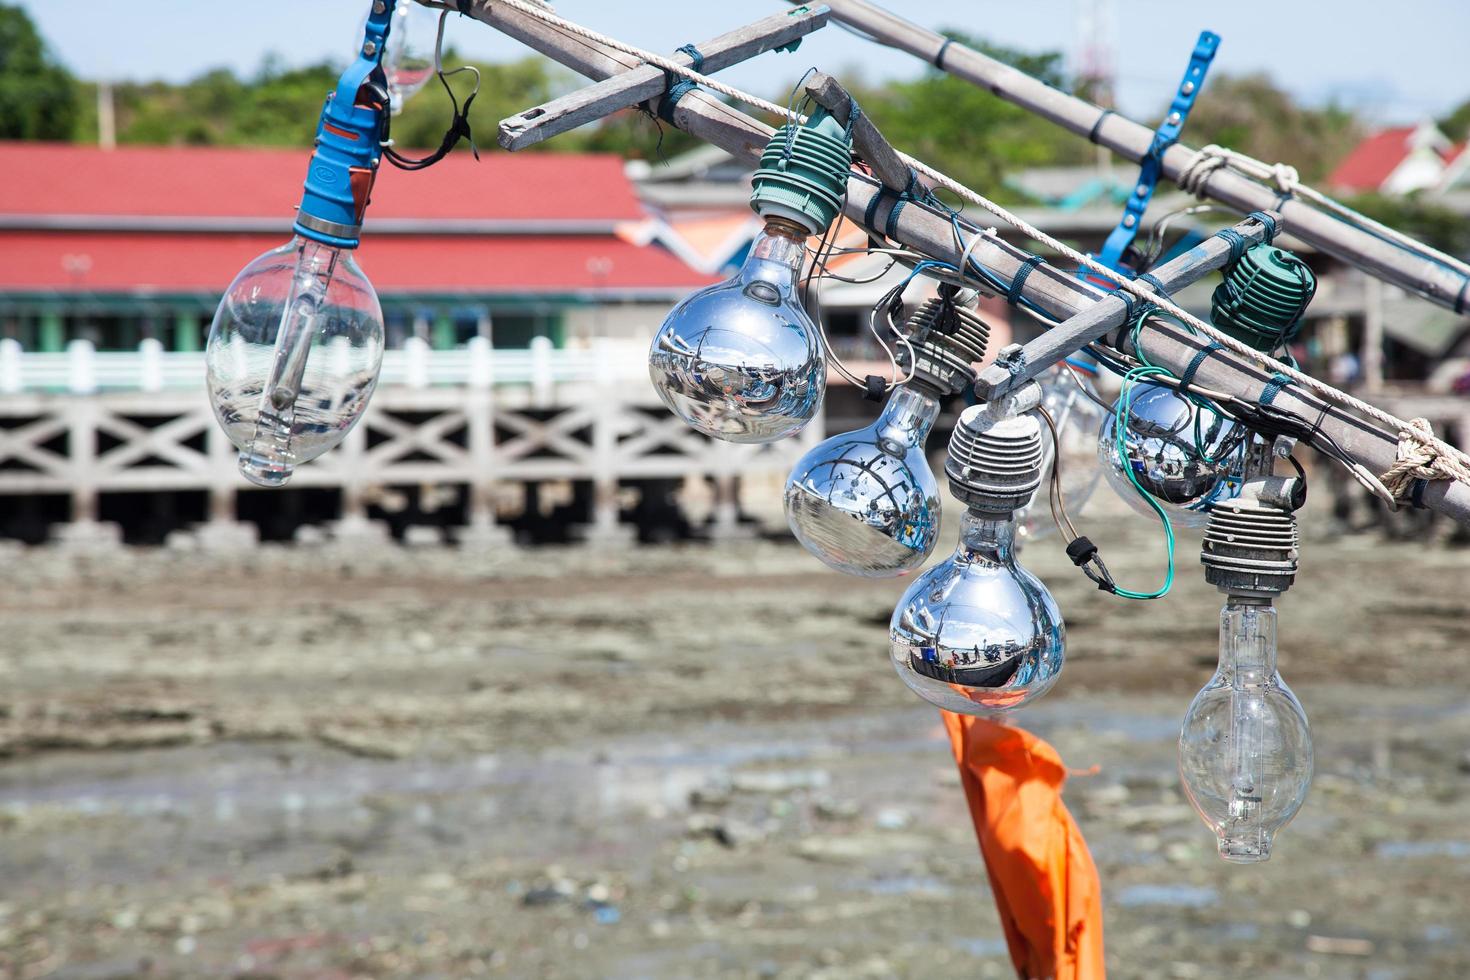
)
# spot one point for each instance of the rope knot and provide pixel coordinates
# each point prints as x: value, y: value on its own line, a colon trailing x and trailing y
x: 1286, y: 178
x: 1420, y: 459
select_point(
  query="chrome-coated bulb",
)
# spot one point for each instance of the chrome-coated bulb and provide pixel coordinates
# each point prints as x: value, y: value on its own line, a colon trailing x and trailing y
x: 866, y: 502
x: 1187, y: 458
x: 1072, y: 403
x: 1245, y: 750
x: 977, y: 632
x: 293, y: 356
x: 741, y: 360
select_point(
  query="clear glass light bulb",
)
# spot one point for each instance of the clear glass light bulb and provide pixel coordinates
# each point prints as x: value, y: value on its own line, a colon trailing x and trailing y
x: 1180, y: 453
x: 1065, y: 395
x: 1245, y: 751
x: 741, y: 360
x: 866, y: 502
x: 293, y: 356
x: 978, y: 632
x: 408, y: 61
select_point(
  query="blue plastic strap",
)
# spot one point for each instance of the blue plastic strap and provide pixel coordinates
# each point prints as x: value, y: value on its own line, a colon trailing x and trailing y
x: 696, y: 57
x: 348, y: 146
x: 1164, y: 137
x: 1013, y: 295
x: 1273, y: 388
x: 1187, y: 377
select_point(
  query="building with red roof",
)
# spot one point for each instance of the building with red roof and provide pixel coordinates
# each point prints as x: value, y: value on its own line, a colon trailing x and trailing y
x: 116, y: 245
x: 1398, y: 160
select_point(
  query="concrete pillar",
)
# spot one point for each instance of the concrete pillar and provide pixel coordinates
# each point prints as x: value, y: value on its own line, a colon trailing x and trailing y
x: 1371, y: 357
x: 10, y: 376
x: 605, y: 529
x: 482, y: 532
x: 81, y: 363
x: 150, y: 364
x: 84, y: 531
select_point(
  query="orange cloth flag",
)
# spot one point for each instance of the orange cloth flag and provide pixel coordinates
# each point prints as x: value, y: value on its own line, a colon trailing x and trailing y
x: 1046, y: 886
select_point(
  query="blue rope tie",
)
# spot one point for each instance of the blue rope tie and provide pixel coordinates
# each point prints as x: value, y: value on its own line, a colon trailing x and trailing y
x: 677, y: 87
x: 870, y: 213
x: 1013, y: 295
x: 1187, y: 377
x: 890, y: 227
x: 1236, y: 241
x: 1154, y: 281
x: 1268, y: 221
x: 1273, y: 388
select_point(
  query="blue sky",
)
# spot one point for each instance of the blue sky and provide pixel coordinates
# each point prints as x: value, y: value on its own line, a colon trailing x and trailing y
x: 1394, y: 63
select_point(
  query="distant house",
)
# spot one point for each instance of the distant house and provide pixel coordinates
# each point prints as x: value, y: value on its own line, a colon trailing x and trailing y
x: 113, y: 246
x: 1401, y: 160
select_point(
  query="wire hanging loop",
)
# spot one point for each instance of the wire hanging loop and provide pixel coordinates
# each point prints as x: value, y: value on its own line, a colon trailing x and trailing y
x: 459, y: 126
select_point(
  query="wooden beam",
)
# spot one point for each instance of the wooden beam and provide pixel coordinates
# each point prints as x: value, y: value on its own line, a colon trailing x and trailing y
x: 871, y: 145
x: 1094, y: 322
x: 647, y: 83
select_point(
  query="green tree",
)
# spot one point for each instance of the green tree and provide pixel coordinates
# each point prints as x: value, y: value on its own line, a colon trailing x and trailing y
x: 1456, y: 125
x: 971, y: 134
x: 1251, y: 114
x: 38, y: 97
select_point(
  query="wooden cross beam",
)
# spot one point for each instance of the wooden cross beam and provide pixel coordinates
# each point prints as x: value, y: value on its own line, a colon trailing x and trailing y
x: 647, y: 83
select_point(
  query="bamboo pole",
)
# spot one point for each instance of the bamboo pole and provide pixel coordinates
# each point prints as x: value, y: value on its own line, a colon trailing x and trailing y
x: 1436, y: 282
x: 925, y: 230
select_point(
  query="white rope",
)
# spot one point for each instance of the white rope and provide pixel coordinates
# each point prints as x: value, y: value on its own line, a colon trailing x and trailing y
x: 1139, y: 290
x: 1286, y: 180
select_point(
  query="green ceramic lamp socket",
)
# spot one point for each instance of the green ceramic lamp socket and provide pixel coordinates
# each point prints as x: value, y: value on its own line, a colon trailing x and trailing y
x: 1263, y: 297
x: 803, y: 173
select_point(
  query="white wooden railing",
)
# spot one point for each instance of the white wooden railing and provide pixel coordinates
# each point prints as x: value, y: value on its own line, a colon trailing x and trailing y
x: 82, y: 369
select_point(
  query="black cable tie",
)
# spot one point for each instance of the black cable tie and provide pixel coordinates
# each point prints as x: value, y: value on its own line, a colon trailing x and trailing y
x: 1092, y: 135
x: 1013, y: 294
x: 1460, y: 299
x: 1416, y: 494
x: 875, y: 387
x: 939, y: 55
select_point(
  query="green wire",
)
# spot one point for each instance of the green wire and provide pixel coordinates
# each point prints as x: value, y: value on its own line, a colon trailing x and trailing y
x: 1120, y: 429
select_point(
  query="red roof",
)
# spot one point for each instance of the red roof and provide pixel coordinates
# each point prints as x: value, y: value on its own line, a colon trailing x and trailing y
x: 1371, y: 161
x: 77, y: 183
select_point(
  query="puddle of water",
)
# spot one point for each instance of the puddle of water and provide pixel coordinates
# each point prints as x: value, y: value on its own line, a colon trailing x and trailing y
x: 905, y: 885
x: 1183, y: 896
x: 1398, y: 849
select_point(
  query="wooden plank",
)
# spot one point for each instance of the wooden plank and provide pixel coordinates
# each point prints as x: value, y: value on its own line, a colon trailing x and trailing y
x: 1067, y: 338
x: 871, y: 144
x: 647, y: 82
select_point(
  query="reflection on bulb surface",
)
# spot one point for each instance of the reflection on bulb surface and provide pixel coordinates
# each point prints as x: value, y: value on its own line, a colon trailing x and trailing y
x: 1078, y: 417
x: 293, y: 356
x: 408, y: 61
x: 1245, y: 751
x: 741, y: 360
x: 1162, y: 446
x: 977, y: 632
x: 866, y: 502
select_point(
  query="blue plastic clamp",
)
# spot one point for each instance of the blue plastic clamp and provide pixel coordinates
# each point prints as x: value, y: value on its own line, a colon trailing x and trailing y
x: 1164, y: 137
x: 349, y: 148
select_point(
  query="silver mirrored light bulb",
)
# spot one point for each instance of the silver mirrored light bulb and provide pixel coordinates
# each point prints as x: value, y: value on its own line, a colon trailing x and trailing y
x: 741, y: 360
x: 1068, y: 395
x: 977, y: 632
x: 293, y: 356
x: 1187, y: 458
x: 866, y: 502
x: 1245, y: 750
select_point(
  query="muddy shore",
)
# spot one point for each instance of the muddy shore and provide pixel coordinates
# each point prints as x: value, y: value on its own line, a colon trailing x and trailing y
x: 679, y: 762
